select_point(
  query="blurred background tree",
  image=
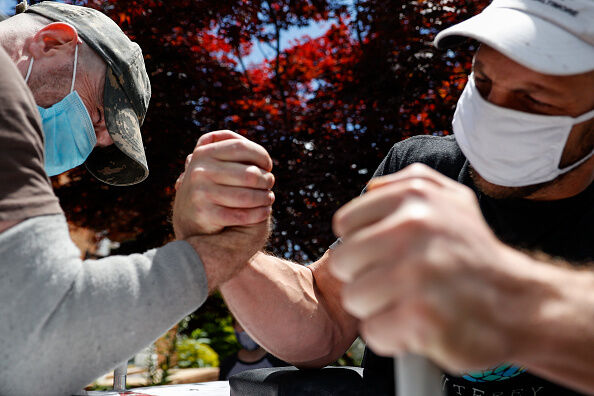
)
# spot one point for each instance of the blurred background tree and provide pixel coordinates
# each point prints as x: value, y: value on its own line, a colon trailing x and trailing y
x: 326, y: 108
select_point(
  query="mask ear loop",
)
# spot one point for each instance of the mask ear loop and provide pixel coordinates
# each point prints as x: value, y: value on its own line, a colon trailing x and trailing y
x: 74, y: 70
x: 29, y: 70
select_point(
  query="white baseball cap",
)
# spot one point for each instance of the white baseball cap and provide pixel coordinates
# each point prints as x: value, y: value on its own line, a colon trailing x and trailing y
x: 548, y: 36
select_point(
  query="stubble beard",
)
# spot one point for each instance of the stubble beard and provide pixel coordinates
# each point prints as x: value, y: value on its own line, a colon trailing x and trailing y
x: 501, y: 192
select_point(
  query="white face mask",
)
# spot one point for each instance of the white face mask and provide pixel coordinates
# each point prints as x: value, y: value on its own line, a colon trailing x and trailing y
x: 508, y: 147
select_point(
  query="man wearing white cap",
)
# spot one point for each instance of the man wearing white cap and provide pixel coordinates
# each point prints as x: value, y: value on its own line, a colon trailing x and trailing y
x: 480, y: 257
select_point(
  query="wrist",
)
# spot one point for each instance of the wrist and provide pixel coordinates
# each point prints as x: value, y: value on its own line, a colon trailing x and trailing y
x: 215, y: 260
x: 224, y: 254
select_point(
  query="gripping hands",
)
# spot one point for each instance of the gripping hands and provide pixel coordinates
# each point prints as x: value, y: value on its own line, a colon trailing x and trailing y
x: 226, y: 182
x: 224, y: 201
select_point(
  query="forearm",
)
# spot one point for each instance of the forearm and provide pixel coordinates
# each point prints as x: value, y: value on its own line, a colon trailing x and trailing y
x: 555, y: 324
x: 282, y: 306
x: 565, y: 353
x: 69, y: 320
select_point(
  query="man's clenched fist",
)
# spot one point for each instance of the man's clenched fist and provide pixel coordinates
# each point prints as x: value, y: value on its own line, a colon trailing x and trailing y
x: 223, y: 202
x: 227, y: 182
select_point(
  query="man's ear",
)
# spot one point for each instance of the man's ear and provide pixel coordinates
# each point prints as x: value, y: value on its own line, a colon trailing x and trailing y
x: 53, y: 39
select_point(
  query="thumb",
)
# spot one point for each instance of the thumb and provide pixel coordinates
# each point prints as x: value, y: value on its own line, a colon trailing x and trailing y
x: 179, y: 181
x: 217, y: 136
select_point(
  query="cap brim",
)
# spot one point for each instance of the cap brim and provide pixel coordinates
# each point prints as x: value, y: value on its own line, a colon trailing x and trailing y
x: 527, y: 39
x: 124, y: 163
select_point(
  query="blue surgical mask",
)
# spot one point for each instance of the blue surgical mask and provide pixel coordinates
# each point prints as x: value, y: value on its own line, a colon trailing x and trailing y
x: 68, y: 129
x: 246, y: 341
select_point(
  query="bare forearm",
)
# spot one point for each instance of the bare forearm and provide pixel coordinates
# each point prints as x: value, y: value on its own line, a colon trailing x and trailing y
x: 561, y: 342
x: 283, y: 308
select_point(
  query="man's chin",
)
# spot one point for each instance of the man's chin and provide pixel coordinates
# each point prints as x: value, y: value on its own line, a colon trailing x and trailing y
x: 501, y: 192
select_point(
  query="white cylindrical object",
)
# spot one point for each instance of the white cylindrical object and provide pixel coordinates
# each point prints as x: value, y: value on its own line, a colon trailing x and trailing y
x: 416, y: 376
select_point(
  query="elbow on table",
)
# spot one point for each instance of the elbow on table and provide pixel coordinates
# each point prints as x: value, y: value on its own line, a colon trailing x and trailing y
x: 328, y: 350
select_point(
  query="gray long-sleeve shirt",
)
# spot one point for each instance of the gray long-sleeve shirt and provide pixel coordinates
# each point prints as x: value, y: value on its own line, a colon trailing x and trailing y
x: 64, y: 321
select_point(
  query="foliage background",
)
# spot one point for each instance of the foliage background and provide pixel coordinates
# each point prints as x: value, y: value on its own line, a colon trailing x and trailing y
x: 327, y: 109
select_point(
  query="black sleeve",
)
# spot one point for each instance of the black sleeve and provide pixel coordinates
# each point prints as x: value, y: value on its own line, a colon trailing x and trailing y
x: 276, y: 362
x: 226, y: 366
x: 438, y: 152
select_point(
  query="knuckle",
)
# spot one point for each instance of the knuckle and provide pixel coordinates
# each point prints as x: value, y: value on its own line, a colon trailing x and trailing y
x: 369, y: 332
x: 351, y: 300
x: 263, y: 155
x: 204, y: 137
x: 263, y: 179
x: 349, y: 293
x: 374, y: 333
x: 418, y: 169
x: 236, y: 145
x: 202, y: 151
x: 468, y: 193
x: 349, y: 304
x: 417, y: 187
x: 258, y: 215
x: 252, y: 176
x: 268, y: 158
x: 417, y: 221
x: 377, y: 344
x: 270, y: 180
x: 334, y: 259
x: 188, y: 161
x: 261, y: 215
x: 198, y: 174
x: 367, y: 328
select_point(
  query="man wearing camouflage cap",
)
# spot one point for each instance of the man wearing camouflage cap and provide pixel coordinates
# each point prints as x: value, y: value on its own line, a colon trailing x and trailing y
x: 120, y: 94
x: 65, y: 321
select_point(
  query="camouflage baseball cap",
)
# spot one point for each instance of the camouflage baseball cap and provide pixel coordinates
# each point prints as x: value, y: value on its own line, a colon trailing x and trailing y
x: 126, y: 94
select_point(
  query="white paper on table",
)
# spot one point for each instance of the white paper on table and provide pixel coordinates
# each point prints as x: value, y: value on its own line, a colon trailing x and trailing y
x: 215, y: 388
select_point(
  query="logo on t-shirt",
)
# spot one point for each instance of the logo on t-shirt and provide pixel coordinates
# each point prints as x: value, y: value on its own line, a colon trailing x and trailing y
x: 499, y: 373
